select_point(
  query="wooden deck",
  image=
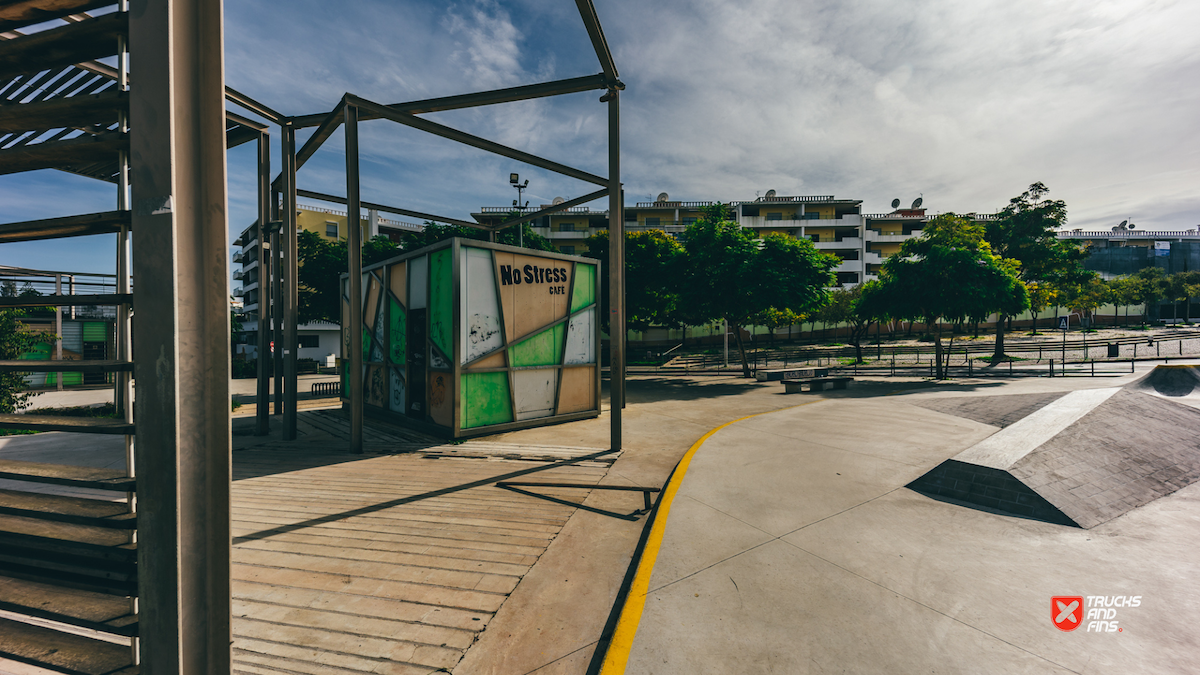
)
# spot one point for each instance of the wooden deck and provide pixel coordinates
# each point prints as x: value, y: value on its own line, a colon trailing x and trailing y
x: 389, y: 563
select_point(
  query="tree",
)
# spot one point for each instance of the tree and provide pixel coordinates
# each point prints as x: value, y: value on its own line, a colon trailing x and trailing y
x: 1151, y: 288
x: 730, y: 275
x: 951, y: 273
x: 15, y: 340
x: 1180, y: 287
x: 867, y: 306
x: 1124, y: 292
x: 1026, y: 231
x: 1088, y: 296
x: 774, y: 319
x: 1042, y: 294
x: 652, y: 258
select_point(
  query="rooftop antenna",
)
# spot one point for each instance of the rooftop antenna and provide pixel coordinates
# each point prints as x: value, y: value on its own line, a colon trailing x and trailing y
x: 895, y: 203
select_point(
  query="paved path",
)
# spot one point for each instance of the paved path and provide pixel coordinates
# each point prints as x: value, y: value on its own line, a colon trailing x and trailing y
x: 791, y: 546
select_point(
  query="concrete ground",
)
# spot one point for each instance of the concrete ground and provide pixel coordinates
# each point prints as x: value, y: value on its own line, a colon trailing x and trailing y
x: 792, y: 546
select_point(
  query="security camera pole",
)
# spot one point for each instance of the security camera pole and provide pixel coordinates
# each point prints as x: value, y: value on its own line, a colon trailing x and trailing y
x: 513, y: 178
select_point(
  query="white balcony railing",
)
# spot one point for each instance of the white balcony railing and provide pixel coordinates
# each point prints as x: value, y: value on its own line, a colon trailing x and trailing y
x: 237, y: 256
x: 846, y: 242
x: 875, y: 236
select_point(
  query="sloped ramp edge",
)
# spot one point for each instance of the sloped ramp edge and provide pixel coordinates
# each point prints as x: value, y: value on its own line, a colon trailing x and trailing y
x: 989, y: 488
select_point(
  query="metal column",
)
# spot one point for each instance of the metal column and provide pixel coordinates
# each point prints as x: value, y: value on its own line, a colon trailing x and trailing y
x: 616, y: 271
x: 181, y: 336
x: 290, y: 294
x: 262, y: 406
x: 277, y: 304
x: 354, y: 253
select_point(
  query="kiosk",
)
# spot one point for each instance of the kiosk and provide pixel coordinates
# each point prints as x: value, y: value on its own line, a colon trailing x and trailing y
x: 464, y: 338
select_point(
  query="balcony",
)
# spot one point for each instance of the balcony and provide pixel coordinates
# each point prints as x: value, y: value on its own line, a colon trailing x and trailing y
x: 239, y: 274
x: 237, y: 257
x: 849, y: 266
x: 875, y: 236
x: 582, y: 234
x: 844, y: 242
x: 238, y: 292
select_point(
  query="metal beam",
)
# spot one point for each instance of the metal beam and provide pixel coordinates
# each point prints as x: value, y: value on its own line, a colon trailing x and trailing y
x: 322, y: 134
x: 234, y: 96
x: 508, y: 95
x: 333, y: 199
x: 291, y: 295
x: 245, y: 121
x: 240, y: 135
x: 262, y: 401
x: 474, y: 141
x: 616, y: 273
x: 181, y: 337
x: 587, y: 12
x: 354, y: 253
x: 553, y: 208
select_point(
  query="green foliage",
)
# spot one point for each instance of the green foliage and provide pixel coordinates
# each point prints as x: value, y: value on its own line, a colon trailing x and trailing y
x: 949, y: 273
x: 15, y: 340
x: 1025, y: 231
x: 652, y: 258
x: 1151, y: 287
x: 730, y: 275
x: 1086, y: 297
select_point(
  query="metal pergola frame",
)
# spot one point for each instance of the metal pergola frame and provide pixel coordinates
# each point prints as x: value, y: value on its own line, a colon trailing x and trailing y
x: 281, y: 194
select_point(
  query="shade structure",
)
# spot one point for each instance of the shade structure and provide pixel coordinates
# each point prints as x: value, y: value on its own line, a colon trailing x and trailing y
x: 464, y: 338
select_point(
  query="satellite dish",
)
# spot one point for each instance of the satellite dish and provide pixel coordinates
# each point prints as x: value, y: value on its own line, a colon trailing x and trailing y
x: 895, y: 203
x: 1123, y: 223
x: 917, y: 203
x: 1116, y: 228
x: 770, y: 194
x: 1131, y: 226
x: 662, y: 197
x: 557, y: 201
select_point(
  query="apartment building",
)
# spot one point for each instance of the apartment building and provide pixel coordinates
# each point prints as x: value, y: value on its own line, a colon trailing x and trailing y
x: 834, y: 225
x: 317, y: 340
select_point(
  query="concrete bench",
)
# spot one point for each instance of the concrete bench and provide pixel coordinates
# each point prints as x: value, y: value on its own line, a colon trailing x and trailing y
x: 815, y: 384
x: 789, y: 374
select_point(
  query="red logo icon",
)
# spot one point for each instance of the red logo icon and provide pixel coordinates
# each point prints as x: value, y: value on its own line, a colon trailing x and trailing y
x: 1066, y: 612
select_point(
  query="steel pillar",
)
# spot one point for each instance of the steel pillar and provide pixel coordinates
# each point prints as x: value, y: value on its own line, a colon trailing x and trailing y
x: 262, y: 406
x: 181, y: 336
x: 616, y: 271
x: 290, y: 291
x: 277, y: 306
x: 354, y: 253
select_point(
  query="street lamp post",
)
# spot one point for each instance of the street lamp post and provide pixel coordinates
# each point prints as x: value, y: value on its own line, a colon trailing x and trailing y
x: 514, y: 180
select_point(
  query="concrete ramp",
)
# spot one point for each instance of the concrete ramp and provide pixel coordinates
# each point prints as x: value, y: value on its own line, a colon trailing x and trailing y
x: 1084, y: 458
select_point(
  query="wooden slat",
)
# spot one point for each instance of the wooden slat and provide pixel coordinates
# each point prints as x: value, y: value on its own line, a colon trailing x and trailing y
x: 73, y: 43
x: 85, y: 425
x: 74, y: 476
x: 61, y: 652
x: 107, y: 613
x: 66, y: 366
x: 75, y: 510
x: 64, y: 111
x: 68, y: 153
x: 85, y: 540
x: 67, y: 300
x: 76, y: 556
x: 20, y: 13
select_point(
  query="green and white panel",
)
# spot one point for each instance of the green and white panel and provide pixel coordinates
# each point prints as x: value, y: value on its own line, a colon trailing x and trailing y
x: 481, y: 307
x: 581, y: 339
x: 485, y: 399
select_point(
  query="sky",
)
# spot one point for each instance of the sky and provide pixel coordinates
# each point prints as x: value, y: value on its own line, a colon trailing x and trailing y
x: 963, y: 104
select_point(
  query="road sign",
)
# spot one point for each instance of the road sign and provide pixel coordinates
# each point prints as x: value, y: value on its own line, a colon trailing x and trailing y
x: 1063, y: 323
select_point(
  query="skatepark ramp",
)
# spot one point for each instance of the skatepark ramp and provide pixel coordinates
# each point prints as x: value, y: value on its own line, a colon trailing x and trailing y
x: 1085, y: 457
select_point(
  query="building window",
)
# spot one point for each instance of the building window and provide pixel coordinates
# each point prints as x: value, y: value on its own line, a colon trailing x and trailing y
x: 309, y: 341
x: 774, y: 216
x: 566, y: 227
x: 569, y: 250
x: 816, y: 238
x: 331, y: 229
x: 688, y: 221
x: 652, y: 222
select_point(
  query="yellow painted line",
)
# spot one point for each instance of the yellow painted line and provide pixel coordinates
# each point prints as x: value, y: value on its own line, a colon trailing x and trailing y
x: 619, y: 647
